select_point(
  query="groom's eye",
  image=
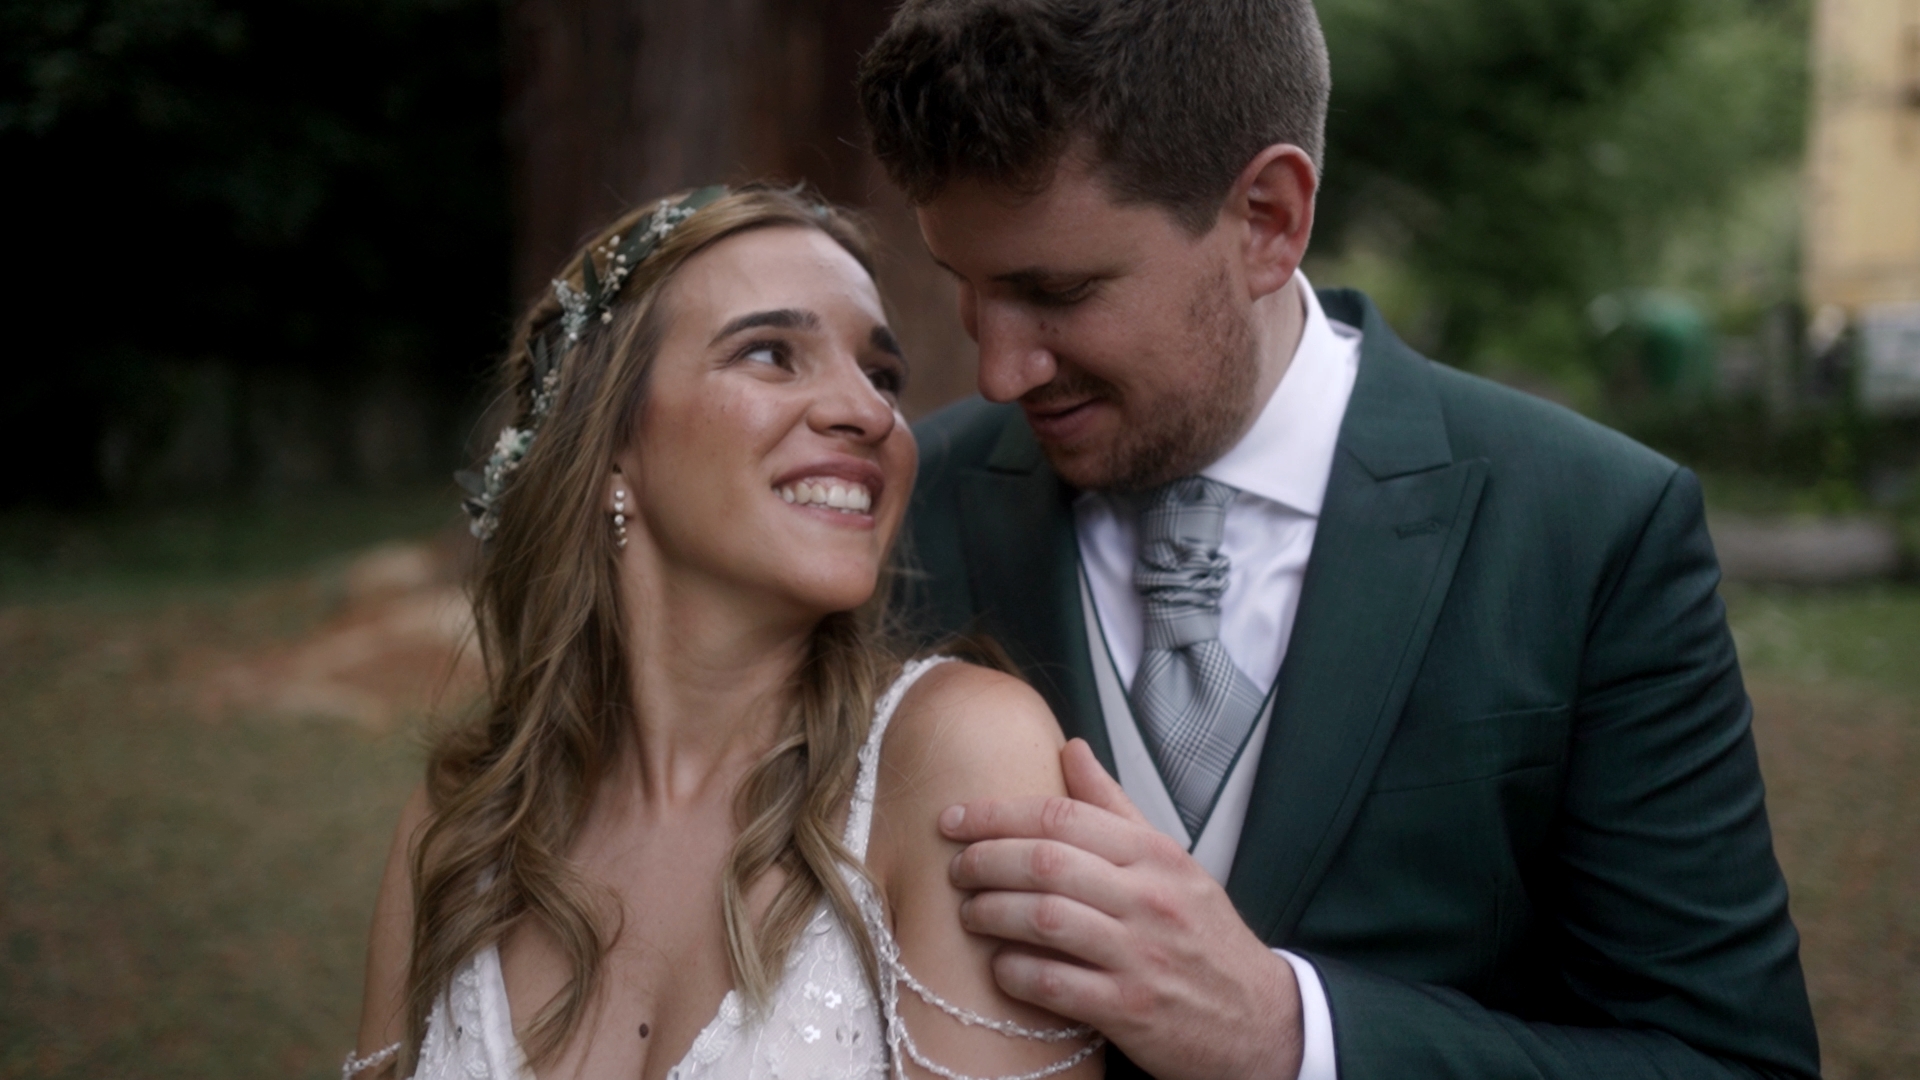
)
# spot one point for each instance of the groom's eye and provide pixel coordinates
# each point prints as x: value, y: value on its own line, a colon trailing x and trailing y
x: 1061, y: 295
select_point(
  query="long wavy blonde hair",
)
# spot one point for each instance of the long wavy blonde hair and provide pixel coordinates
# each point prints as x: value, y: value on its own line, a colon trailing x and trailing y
x: 511, y: 786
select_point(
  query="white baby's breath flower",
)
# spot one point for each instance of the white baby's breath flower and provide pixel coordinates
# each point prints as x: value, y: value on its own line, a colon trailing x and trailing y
x: 512, y: 443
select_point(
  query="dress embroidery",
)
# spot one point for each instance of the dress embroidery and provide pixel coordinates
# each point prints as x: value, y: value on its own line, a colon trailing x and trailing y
x: 823, y: 1021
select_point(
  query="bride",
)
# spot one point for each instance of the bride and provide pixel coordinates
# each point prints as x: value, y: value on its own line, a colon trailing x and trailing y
x: 693, y: 834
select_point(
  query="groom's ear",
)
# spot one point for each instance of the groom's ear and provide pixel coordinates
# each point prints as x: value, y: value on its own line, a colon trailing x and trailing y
x: 1272, y: 203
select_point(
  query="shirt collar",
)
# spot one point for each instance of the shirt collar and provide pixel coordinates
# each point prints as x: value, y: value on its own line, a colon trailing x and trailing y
x: 1287, y: 454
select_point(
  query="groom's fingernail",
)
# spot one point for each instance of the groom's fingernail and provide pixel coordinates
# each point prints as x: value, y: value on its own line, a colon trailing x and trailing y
x: 952, y: 816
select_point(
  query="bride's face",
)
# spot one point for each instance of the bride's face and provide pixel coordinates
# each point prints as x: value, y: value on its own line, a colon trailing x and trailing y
x: 770, y: 459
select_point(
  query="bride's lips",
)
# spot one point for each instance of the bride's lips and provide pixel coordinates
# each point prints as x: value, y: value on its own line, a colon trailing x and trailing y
x: 1057, y: 422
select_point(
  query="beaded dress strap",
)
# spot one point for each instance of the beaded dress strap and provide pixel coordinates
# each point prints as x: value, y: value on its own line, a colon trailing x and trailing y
x: 354, y: 1066
x: 860, y: 814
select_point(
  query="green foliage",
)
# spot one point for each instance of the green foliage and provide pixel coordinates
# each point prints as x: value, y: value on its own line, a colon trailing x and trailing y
x: 1513, y: 159
x: 155, y: 552
x: 243, y: 186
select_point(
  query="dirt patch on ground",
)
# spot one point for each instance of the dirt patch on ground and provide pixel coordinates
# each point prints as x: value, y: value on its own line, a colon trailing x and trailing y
x: 399, y: 643
x: 1840, y: 763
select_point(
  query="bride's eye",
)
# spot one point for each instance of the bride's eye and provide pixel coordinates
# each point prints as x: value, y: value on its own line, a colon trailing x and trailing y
x: 766, y: 352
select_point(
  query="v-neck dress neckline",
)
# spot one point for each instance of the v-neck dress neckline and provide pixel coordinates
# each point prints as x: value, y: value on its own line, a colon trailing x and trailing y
x: 822, y: 1022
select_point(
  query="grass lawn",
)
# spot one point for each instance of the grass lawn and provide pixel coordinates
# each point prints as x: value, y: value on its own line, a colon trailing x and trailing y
x: 185, y: 892
x: 182, y: 895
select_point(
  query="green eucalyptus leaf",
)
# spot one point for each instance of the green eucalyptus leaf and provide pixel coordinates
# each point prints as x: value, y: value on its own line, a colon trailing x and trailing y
x: 590, y: 279
x: 541, y: 353
x: 630, y: 245
x: 704, y: 197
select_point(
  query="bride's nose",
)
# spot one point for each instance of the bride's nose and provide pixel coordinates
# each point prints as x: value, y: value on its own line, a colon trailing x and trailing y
x: 849, y: 406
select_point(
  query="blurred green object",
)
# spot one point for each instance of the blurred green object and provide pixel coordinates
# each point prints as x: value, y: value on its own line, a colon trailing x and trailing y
x: 1656, y: 342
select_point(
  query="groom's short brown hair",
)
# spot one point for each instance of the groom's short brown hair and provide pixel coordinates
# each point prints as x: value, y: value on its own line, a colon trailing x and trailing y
x: 1173, y: 96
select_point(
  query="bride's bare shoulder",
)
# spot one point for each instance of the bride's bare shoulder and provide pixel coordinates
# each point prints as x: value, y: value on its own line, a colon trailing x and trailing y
x: 967, y: 732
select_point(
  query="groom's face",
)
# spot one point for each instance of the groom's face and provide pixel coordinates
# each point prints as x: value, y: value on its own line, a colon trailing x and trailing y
x: 1124, y: 338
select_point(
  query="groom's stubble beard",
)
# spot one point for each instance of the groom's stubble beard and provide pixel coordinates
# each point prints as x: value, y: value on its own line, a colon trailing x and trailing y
x: 1166, y: 439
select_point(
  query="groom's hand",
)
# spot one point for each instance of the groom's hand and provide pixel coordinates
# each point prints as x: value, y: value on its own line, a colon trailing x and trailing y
x: 1110, y: 922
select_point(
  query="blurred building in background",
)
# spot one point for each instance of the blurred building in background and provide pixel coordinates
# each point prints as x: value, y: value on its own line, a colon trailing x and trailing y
x: 1862, y: 243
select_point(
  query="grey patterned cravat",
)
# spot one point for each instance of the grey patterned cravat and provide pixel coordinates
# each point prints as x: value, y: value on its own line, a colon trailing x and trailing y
x: 1194, y: 706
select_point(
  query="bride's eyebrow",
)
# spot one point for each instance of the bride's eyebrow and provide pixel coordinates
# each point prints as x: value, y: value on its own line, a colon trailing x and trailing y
x: 778, y: 319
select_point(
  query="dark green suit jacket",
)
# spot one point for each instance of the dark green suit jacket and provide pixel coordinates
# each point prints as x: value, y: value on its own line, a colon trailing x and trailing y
x: 1509, y: 806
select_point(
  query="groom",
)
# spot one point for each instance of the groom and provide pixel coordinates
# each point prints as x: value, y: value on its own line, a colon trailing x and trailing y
x: 1435, y: 755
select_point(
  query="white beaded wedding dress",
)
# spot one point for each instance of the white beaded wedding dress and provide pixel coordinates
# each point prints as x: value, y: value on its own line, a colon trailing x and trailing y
x: 823, y: 1022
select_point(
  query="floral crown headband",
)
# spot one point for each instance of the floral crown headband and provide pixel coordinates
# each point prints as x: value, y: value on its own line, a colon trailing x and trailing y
x: 579, y: 308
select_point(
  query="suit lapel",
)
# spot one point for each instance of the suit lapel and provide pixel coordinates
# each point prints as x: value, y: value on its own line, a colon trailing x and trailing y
x: 1023, y: 560
x: 1397, y: 515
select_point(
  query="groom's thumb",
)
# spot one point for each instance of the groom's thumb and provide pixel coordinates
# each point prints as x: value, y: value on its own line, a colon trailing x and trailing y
x: 1089, y: 783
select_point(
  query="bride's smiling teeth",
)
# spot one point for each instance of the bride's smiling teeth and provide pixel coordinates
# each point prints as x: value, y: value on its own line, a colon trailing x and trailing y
x: 842, y: 495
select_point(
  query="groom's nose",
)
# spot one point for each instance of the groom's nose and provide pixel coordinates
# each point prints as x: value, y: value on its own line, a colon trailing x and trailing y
x: 1013, y: 359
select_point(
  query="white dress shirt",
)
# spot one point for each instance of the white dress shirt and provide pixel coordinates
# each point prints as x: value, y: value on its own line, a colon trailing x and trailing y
x: 1280, y: 469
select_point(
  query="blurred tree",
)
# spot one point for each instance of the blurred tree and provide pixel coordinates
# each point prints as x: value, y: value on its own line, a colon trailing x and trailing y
x: 1516, y: 158
x: 221, y: 201
x: 611, y: 102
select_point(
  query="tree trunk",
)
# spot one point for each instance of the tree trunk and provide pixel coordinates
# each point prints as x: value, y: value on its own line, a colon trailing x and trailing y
x: 612, y: 102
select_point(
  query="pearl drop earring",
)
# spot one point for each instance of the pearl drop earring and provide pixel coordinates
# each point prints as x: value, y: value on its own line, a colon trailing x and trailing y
x: 619, y: 518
